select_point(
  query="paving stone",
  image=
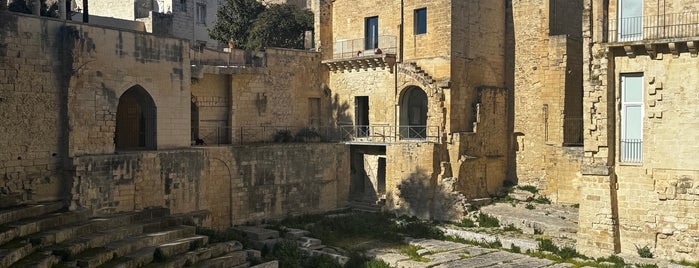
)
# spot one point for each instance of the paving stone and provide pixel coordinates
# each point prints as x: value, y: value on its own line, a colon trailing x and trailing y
x: 561, y: 265
x: 271, y: 264
x: 485, y: 260
x: 432, y: 245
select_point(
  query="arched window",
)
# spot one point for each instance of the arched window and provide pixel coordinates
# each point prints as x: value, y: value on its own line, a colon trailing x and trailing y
x: 413, y: 113
x: 136, y: 121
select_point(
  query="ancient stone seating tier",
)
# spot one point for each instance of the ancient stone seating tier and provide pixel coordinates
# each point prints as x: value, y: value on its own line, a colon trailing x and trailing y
x: 47, y: 235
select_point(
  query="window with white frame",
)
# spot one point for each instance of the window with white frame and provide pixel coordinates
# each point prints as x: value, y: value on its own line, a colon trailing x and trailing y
x: 631, y: 143
x: 201, y: 13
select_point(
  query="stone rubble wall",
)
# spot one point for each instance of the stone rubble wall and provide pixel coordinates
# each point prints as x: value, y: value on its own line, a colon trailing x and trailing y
x: 235, y: 184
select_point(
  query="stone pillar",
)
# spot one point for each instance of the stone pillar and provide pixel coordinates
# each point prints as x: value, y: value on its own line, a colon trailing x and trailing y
x: 36, y: 7
x: 62, y: 9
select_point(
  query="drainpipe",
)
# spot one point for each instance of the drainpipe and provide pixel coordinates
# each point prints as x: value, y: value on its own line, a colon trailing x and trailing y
x: 395, y: 67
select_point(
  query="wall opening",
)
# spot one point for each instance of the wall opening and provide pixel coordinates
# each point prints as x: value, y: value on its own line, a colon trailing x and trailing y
x: 413, y: 114
x: 195, y: 124
x: 361, y: 116
x: 136, y: 121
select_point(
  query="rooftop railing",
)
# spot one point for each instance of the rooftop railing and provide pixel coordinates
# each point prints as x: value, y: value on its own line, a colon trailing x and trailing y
x: 665, y: 26
x: 354, y: 48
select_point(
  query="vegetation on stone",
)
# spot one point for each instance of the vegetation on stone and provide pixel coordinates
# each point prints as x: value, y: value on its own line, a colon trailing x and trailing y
x: 644, y: 252
x: 411, y: 251
x: 484, y: 220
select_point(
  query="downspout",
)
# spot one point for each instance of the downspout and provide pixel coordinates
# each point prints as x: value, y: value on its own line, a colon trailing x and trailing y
x: 86, y: 13
x: 399, y: 61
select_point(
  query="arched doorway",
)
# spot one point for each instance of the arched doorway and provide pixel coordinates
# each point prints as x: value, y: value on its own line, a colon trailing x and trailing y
x: 136, y: 121
x: 413, y: 113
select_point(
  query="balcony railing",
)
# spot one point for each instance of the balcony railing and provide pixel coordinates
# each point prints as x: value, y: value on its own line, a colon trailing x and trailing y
x: 666, y: 26
x: 631, y: 151
x: 573, y: 131
x: 354, y: 48
x: 217, y: 135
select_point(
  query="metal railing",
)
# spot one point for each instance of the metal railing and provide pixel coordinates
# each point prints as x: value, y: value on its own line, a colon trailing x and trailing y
x: 631, y: 151
x: 217, y: 135
x: 354, y: 48
x: 573, y: 131
x: 665, y: 26
x: 389, y: 134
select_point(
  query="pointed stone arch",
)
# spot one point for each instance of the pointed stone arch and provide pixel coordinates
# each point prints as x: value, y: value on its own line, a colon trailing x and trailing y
x: 413, y: 113
x: 136, y: 122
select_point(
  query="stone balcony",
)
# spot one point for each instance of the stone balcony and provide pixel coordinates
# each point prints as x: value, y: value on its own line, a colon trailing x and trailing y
x: 655, y: 35
x: 353, y: 55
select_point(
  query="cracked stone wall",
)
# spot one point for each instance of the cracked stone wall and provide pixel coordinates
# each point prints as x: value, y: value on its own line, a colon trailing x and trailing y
x: 548, y: 89
x: 235, y: 184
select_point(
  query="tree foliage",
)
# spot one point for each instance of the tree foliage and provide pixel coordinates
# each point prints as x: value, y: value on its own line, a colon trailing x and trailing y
x: 280, y: 26
x: 234, y: 20
x: 47, y: 9
x: 253, y: 26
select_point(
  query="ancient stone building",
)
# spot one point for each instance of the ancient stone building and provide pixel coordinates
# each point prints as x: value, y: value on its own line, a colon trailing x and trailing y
x: 418, y: 90
x: 639, y: 183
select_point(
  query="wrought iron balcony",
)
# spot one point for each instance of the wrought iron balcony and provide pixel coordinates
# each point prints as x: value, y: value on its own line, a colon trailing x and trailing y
x: 665, y: 27
x: 389, y: 134
x: 354, y: 55
x: 631, y: 151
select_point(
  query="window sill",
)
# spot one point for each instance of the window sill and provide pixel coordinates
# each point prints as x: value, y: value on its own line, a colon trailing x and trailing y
x: 630, y: 164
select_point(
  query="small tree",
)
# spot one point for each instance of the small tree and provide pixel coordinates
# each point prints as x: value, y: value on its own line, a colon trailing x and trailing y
x: 234, y: 20
x: 280, y: 26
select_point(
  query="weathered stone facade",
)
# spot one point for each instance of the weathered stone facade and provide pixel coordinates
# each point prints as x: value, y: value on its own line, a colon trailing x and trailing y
x: 548, y: 96
x: 646, y: 196
x: 442, y: 72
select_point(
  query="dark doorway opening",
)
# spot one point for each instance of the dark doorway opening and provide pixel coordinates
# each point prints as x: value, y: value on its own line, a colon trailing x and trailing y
x: 361, y: 114
x: 136, y: 121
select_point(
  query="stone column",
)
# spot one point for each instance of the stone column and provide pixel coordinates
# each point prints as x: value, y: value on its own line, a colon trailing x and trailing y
x: 62, y: 9
x: 36, y: 7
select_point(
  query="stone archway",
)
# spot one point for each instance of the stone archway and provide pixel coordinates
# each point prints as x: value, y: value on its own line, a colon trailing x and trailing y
x: 135, y: 121
x: 413, y: 113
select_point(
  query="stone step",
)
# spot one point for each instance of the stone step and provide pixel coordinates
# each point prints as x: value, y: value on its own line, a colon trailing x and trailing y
x: 174, y: 248
x: 233, y: 259
x: 92, y: 225
x: 15, y: 251
x: 17, y: 231
x: 69, y: 249
x: 29, y: 211
x: 123, y: 247
x: 43, y: 259
x: 538, y: 220
x: 199, y: 255
x: 364, y: 206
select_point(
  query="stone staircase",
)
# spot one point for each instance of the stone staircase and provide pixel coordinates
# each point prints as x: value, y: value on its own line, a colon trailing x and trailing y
x: 418, y: 73
x: 47, y: 235
x: 366, y: 204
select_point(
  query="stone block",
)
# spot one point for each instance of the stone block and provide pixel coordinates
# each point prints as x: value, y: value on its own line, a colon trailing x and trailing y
x: 257, y: 233
x: 271, y: 264
x: 309, y: 242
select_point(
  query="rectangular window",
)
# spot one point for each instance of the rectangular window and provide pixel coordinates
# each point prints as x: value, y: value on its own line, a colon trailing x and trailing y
x: 201, y: 13
x: 630, y: 20
x: 371, y: 33
x: 631, y: 149
x: 420, y: 21
x: 183, y: 6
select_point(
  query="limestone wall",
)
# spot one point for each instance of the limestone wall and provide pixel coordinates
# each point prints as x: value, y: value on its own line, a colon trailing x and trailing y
x: 650, y: 203
x: 278, y: 94
x: 548, y: 89
x: 74, y: 71
x: 235, y: 184
x: 110, y: 8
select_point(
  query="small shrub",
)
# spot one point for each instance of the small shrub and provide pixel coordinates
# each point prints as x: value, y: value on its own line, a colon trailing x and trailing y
x: 307, y: 135
x: 529, y: 206
x: 411, y: 251
x: 283, y: 136
x: 529, y: 188
x: 494, y: 244
x: 515, y: 249
x: 467, y: 223
x: 567, y: 253
x: 487, y: 221
x: 575, y: 205
x: 644, y: 252
x: 288, y: 254
x: 511, y: 228
x: 422, y: 229
x: 547, y: 245
x: 538, y: 231
x: 542, y: 200
x: 616, y: 260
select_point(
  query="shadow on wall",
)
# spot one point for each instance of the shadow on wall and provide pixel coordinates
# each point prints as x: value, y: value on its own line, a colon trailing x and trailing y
x: 422, y: 196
